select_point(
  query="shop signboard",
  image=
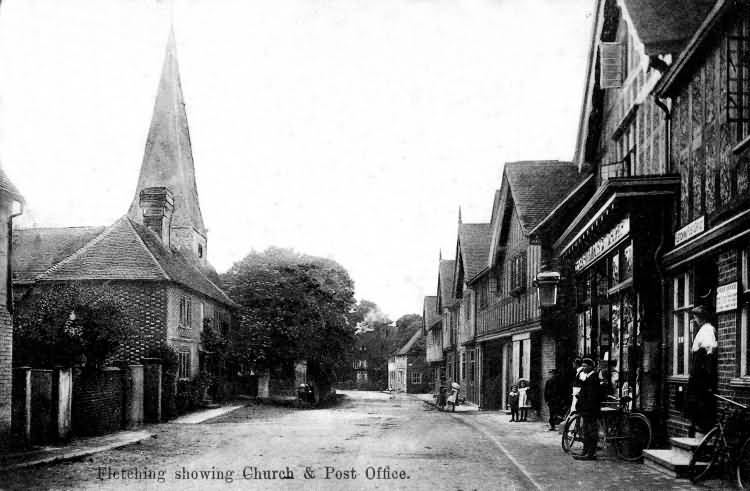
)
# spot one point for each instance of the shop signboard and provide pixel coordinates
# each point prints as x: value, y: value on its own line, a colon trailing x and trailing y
x: 604, y: 244
x: 726, y: 297
x: 690, y: 230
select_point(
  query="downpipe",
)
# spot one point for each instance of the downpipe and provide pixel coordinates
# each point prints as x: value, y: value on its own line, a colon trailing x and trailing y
x: 9, y: 265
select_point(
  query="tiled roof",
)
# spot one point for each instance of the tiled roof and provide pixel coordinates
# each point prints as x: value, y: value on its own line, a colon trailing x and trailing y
x: 126, y: 251
x: 36, y: 250
x: 537, y: 186
x: 412, y: 345
x: 7, y: 187
x: 446, y: 282
x: 178, y: 268
x: 474, y: 239
x: 431, y: 315
x: 665, y: 25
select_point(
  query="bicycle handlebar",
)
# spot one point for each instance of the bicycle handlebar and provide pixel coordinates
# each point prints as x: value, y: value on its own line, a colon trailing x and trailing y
x: 730, y: 401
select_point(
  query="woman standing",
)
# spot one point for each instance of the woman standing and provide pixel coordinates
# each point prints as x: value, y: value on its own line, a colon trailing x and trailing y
x: 701, y: 404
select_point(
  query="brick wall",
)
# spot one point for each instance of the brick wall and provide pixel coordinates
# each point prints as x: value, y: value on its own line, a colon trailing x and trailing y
x: 6, y: 375
x: 147, y: 312
x: 97, y: 401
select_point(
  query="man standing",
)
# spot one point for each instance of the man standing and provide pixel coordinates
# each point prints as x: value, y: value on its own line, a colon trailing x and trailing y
x: 588, y: 406
x: 554, y: 397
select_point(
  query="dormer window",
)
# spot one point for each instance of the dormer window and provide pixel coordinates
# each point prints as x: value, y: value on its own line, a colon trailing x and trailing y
x: 200, y: 250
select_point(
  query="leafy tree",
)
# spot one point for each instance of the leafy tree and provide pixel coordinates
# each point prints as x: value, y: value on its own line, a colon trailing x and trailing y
x: 67, y: 324
x: 295, y: 307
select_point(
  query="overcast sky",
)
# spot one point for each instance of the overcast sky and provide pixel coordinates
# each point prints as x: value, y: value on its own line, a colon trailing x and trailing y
x: 351, y: 129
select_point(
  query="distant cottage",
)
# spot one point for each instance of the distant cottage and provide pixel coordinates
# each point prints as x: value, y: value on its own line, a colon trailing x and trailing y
x: 154, y: 257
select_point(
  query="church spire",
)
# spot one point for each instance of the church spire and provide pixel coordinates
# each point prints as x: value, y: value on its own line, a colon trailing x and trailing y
x: 168, y: 160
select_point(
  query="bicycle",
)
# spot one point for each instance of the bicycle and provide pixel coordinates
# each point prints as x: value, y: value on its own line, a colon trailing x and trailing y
x: 718, y: 448
x: 630, y: 432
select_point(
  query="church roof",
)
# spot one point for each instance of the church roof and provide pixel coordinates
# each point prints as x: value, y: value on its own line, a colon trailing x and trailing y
x: 168, y: 157
x: 126, y: 250
x: 35, y: 250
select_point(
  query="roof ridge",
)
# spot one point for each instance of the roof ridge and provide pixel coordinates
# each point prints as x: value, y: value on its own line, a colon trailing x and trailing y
x: 23, y: 229
x: 85, y: 247
x: 148, y: 251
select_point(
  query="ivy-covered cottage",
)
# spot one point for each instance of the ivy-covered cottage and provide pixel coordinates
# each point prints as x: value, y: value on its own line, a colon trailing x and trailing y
x: 155, y: 256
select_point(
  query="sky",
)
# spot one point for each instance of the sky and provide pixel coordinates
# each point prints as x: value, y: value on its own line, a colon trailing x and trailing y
x: 350, y: 129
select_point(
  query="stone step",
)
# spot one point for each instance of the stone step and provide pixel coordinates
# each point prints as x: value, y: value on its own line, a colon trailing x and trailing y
x: 684, y: 445
x: 673, y: 462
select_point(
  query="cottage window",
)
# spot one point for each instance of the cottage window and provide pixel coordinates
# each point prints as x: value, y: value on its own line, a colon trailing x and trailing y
x: 186, y: 316
x: 362, y: 377
x: 738, y: 75
x: 416, y: 378
x: 682, y: 335
x: 518, y: 273
x: 183, y: 364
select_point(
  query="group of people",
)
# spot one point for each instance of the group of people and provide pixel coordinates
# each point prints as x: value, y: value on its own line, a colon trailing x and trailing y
x: 519, y: 401
x: 591, y: 387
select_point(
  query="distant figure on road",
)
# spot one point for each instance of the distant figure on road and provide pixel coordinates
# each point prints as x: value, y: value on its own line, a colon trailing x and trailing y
x: 554, y: 396
x: 588, y: 406
x: 524, y: 403
x: 513, y: 403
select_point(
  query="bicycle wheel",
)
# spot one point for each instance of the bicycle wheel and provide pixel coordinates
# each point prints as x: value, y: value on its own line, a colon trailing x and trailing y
x: 705, y: 455
x: 572, y: 437
x: 743, y: 466
x: 634, y: 437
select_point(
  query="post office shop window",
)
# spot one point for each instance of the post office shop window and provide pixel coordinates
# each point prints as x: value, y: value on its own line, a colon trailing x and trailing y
x: 744, y: 357
x: 682, y: 335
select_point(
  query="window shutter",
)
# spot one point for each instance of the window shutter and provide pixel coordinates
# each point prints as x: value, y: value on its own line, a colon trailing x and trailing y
x: 611, y: 65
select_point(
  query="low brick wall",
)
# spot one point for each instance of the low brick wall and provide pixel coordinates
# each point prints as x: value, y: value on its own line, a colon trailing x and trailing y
x: 97, y: 401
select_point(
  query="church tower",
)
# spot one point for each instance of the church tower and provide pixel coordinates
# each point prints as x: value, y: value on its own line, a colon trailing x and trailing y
x: 167, y: 194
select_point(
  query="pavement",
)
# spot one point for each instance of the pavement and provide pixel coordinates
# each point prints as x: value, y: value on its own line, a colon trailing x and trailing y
x: 78, y: 448
x: 201, y: 416
x: 370, y: 440
x: 83, y: 447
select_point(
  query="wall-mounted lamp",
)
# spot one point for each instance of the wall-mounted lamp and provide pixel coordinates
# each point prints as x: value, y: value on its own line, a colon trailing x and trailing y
x: 547, y: 282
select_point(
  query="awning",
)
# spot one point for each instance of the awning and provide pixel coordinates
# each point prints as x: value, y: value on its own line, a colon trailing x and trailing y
x: 613, y: 199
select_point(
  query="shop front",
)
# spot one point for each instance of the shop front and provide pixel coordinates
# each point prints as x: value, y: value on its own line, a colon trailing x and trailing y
x: 709, y: 266
x: 612, y: 250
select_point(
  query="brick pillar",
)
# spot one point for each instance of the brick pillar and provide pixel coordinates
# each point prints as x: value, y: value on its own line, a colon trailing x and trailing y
x: 133, y: 391
x: 152, y: 373
x: 63, y: 384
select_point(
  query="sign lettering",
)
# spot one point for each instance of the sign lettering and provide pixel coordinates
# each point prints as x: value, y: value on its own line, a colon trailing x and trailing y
x: 690, y: 230
x: 726, y: 297
x: 604, y: 243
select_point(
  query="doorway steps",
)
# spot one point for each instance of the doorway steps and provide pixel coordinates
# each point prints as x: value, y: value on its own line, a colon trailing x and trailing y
x: 673, y: 461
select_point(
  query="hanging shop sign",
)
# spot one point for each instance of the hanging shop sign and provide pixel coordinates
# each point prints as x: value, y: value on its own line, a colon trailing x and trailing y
x: 690, y: 230
x: 604, y: 244
x: 726, y: 297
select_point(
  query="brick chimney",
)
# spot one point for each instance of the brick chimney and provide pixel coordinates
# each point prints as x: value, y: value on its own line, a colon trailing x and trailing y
x: 157, y: 205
